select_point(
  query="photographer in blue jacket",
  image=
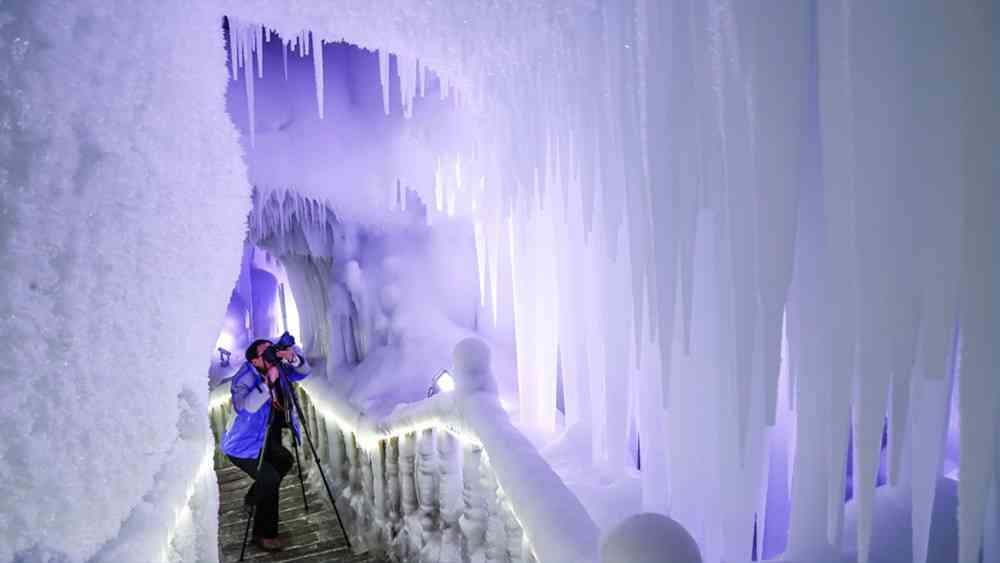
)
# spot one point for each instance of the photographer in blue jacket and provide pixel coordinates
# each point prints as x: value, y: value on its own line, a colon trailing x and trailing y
x: 258, y: 388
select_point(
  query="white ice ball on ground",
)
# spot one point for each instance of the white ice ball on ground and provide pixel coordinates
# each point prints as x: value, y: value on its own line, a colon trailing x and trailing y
x: 473, y: 373
x: 649, y: 538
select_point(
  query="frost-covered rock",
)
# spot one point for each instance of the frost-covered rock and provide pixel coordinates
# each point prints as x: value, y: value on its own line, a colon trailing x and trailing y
x: 649, y: 538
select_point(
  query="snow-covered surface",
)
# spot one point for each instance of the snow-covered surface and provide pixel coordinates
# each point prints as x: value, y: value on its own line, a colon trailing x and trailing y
x: 122, y: 205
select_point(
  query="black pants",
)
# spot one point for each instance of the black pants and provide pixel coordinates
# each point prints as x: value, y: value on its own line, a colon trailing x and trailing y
x: 264, y: 492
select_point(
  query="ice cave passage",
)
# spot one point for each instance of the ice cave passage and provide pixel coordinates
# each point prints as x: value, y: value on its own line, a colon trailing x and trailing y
x: 570, y: 280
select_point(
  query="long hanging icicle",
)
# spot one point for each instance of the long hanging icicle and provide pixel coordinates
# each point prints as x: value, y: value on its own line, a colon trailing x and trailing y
x: 383, y: 76
x: 258, y: 49
x: 234, y: 48
x: 248, y: 79
x: 285, y: 46
x: 423, y: 78
x: 318, y: 71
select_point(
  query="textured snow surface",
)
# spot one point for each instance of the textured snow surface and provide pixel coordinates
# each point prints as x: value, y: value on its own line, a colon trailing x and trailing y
x: 122, y: 198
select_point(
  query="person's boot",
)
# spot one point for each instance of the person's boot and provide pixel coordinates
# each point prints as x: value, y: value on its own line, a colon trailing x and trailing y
x: 269, y: 544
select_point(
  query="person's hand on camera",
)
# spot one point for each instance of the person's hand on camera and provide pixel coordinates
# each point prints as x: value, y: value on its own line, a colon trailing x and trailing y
x: 288, y: 355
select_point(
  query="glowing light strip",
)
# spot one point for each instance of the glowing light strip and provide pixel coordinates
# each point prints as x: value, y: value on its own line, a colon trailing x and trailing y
x: 223, y: 401
x: 369, y: 442
x: 207, y: 464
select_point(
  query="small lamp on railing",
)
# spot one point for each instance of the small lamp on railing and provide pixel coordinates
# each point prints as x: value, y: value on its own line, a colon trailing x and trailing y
x: 224, y: 344
x: 224, y: 357
x: 442, y: 383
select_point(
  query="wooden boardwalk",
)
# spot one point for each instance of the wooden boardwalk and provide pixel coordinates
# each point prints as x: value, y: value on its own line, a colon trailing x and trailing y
x: 313, y: 536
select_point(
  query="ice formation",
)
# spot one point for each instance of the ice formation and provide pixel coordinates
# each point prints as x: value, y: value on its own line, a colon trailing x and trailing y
x: 659, y: 194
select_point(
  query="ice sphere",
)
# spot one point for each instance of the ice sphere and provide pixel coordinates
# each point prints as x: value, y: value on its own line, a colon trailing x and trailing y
x: 649, y: 538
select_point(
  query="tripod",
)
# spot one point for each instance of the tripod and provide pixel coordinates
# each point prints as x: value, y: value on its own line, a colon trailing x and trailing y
x: 295, y: 442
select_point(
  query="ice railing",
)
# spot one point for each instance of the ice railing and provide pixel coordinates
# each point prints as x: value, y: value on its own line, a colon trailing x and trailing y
x: 446, y: 479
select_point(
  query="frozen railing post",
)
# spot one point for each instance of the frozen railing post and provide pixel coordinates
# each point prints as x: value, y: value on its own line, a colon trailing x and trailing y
x: 473, y: 373
x: 649, y: 538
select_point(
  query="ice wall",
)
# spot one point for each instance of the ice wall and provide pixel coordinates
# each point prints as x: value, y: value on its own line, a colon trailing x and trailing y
x: 122, y: 198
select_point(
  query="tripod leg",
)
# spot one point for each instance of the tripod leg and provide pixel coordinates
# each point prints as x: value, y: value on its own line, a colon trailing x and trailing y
x: 260, y: 462
x: 302, y: 483
x: 322, y: 474
x: 246, y: 531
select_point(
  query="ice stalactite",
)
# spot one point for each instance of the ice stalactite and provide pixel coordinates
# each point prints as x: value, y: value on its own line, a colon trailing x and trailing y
x: 811, y: 331
x: 285, y: 46
x: 258, y: 48
x: 653, y: 428
x: 533, y: 314
x: 979, y: 383
x: 383, y: 76
x: 877, y: 91
x: 735, y: 200
x: 618, y: 364
x: 407, y: 69
x: 242, y: 56
x: 318, y: 72
x: 596, y: 344
x: 663, y: 108
x: 931, y: 397
x: 481, y: 259
x: 779, y: 37
x: 573, y: 309
x: 833, y: 26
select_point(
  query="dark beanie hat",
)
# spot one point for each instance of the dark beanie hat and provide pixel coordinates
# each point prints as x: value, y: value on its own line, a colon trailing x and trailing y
x: 251, y: 352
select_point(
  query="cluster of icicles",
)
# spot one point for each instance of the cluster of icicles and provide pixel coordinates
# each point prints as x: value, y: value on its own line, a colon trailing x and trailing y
x: 246, y: 51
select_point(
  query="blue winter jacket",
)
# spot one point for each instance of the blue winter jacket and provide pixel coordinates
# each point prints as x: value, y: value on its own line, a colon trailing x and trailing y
x: 252, y: 403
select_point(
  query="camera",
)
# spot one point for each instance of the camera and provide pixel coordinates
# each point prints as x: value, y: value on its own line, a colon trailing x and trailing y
x: 270, y: 355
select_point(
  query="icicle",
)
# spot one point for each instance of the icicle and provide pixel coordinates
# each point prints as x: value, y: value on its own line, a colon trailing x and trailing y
x: 452, y: 202
x: 438, y: 188
x: 248, y: 76
x: 318, y: 72
x: 258, y: 49
x: 979, y: 384
x: 285, y: 46
x: 422, y: 69
x: 407, y: 83
x: 932, y: 399
x: 480, y: 260
x: 234, y: 41
x: 383, y: 76
x: 493, y: 250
